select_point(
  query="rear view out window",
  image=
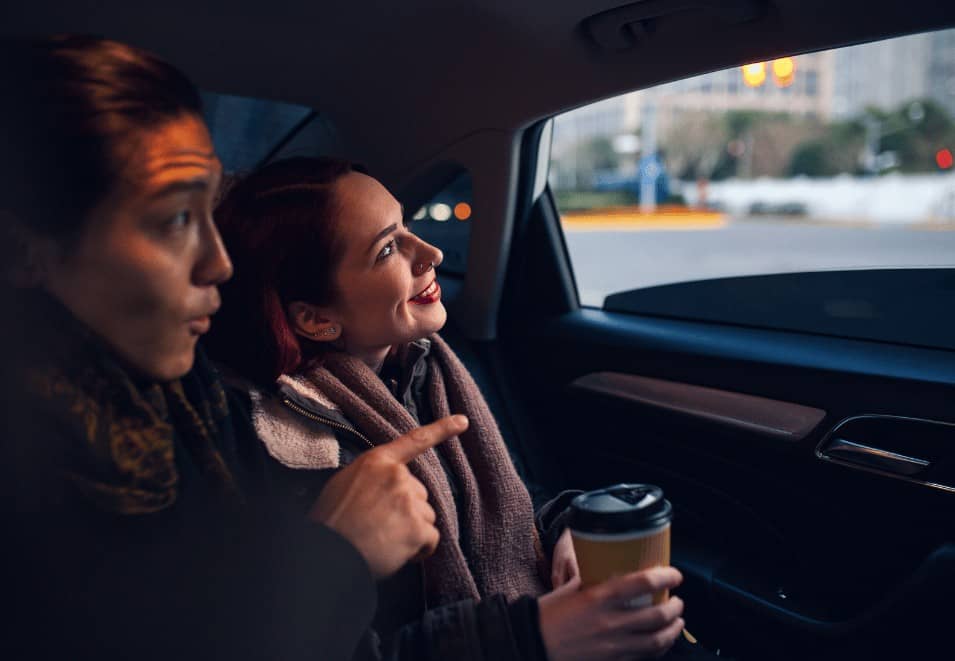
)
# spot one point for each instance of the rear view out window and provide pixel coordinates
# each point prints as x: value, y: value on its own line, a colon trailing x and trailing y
x: 445, y: 221
x: 812, y: 193
x: 245, y: 130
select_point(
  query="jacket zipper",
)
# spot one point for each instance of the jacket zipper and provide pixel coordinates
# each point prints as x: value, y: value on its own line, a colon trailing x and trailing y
x: 325, y: 421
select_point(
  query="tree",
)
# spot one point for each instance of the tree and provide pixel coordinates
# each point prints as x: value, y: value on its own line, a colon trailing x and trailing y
x: 836, y: 150
x: 694, y: 143
x: 915, y: 131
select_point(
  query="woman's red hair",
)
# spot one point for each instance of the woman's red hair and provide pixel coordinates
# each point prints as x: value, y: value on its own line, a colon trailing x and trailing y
x: 278, y: 225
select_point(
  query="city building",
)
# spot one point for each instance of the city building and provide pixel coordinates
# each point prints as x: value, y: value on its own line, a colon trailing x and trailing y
x: 830, y: 85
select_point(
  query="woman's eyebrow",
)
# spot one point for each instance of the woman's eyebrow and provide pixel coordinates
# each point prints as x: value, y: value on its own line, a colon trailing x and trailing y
x: 382, y: 234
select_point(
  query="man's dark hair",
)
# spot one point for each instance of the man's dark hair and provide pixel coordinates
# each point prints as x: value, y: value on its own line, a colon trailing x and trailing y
x: 69, y: 119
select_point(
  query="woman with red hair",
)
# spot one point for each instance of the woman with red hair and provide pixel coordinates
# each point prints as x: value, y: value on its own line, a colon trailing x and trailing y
x: 330, y: 328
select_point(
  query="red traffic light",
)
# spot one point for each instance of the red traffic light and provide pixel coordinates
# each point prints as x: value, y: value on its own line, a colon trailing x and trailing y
x: 944, y: 159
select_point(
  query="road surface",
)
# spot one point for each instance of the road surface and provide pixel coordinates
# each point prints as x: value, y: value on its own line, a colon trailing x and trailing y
x: 607, y: 260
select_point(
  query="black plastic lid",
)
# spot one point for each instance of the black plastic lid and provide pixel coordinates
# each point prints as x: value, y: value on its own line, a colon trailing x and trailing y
x: 620, y: 508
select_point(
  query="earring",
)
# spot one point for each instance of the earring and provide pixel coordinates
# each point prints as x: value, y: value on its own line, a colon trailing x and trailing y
x: 422, y: 267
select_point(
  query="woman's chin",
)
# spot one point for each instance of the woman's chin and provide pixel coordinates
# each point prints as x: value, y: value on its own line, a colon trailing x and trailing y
x: 429, y: 325
x: 439, y: 316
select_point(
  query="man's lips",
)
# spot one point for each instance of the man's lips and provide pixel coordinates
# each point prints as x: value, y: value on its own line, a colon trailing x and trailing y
x: 430, y: 294
x: 200, y: 325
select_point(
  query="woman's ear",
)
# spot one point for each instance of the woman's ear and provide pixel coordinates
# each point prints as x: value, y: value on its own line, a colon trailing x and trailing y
x: 308, y: 321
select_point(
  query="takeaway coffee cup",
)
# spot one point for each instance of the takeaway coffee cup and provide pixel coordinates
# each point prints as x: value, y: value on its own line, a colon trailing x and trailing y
x: 621, y: 529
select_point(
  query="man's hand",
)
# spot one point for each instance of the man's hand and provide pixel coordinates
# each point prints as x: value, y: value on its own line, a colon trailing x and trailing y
x: 380, y: 507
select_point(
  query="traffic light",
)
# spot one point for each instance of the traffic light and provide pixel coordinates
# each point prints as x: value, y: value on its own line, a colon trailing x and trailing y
x: 784, y: 71
x: 754, y: 74
x: 944, y: 159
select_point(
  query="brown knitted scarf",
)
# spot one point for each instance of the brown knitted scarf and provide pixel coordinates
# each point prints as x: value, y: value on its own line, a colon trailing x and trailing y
x: 118, y: 436
x: 504, y: 554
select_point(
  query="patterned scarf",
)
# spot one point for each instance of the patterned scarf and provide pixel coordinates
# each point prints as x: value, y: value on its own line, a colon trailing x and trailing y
x: 503, y: 554
x: 120, y: 435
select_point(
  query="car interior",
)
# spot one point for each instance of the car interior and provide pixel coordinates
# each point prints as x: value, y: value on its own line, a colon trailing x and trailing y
x: 810, y: 462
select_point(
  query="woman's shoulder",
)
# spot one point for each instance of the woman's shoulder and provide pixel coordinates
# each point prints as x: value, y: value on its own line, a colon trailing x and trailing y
x: 292, y: 423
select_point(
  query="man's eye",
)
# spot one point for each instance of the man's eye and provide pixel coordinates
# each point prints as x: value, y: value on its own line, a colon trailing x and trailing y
x: 387, y: 250
x: 181, y: 219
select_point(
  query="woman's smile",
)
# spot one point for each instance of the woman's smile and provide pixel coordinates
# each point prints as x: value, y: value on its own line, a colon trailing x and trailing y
x: 427, y: 296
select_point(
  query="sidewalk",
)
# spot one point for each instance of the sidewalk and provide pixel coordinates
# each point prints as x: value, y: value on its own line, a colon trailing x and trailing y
x: 630, y: 218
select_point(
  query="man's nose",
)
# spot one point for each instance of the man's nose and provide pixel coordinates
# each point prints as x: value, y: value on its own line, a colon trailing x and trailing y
x: 214, y: 266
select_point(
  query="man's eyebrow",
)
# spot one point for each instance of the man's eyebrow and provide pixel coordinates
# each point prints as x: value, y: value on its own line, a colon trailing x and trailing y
x: 207, y: 155
x: 382, y: 234
x: 182, y: 187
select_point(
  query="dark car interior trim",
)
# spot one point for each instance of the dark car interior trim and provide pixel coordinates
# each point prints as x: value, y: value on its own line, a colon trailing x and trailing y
x: 859, y: 357
x: 780, y: 420
x: 860, y: 442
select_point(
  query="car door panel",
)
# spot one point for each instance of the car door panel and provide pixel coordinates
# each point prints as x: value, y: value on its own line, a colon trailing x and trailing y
x: 773, y: 539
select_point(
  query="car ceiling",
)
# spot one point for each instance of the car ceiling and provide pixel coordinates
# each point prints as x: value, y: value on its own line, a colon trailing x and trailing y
x: 403, y: 81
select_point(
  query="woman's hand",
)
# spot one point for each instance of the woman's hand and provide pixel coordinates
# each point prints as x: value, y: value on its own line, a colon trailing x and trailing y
x: 563, y: 563
x: 595, y: 624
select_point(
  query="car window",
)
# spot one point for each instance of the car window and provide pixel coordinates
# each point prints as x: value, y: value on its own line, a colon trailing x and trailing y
x: 245, y: 131
x: 248, y: 132
x: 445, y: 221
x: 812, y: 193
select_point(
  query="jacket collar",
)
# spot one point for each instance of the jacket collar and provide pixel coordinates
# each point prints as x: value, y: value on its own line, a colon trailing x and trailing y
x: 292, y: 439
x: 407, y: 373
x: 302, y: 441
x: 300, y: 390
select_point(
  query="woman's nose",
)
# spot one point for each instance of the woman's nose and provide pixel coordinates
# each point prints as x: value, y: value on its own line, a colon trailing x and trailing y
x: 214, y: 266
x: 425, y: 257
x: 430, y: 253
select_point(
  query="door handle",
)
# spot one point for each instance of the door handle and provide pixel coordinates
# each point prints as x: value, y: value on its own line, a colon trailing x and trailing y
x: 870, y: 457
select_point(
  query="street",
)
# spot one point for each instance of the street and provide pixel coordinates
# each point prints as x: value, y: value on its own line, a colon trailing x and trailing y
x: 608, y: 261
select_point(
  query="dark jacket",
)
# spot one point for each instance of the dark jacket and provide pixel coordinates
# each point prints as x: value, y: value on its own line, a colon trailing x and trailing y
x: 405, y: 626
x: 196, y: 580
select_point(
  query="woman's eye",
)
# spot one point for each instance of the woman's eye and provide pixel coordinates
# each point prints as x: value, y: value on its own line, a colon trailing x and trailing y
x: 387, y: 250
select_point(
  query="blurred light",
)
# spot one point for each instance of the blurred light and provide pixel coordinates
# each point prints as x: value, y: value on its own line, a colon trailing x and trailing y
x: 440, y: 212
x: 626, y: 143
x: 784, y: 67
x: 754, y: 74
x: 420, y: 213
x: 785, y: 82
x: 944, y: 158
x: 462, y: 210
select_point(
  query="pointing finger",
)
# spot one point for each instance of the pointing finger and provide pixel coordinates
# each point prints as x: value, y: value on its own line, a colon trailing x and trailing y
x: 405, y: 448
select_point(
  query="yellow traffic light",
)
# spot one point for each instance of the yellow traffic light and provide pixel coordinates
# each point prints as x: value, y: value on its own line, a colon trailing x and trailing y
x: 754, y: 74
x: 784, y: 70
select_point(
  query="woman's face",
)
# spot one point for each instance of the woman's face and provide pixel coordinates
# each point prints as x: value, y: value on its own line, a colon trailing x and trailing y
x: 144, y: 271
x: 387, y: 292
